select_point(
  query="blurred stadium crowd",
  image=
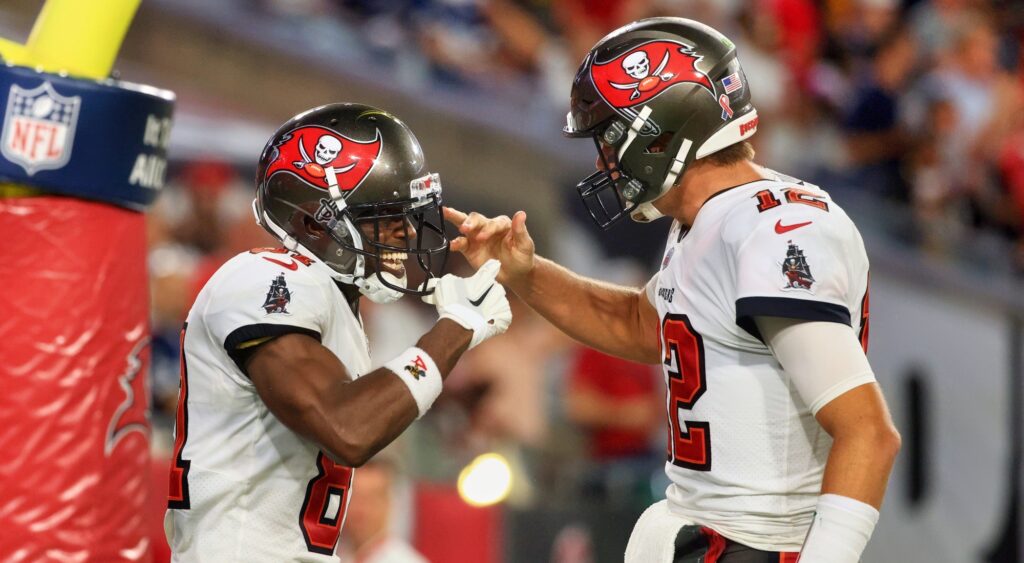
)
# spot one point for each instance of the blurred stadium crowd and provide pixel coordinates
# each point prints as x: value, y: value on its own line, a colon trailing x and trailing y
x: 919, y: 104
x: 918, y: 101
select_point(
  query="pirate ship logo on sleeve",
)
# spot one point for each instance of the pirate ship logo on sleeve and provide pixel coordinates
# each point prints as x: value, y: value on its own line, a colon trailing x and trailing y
x: 39, y: 128
x: 796, y: 270
x: 278, y: 297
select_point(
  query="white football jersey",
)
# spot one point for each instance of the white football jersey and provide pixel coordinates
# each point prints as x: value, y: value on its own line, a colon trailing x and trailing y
x: 746, y: 456
x: 243, y: 486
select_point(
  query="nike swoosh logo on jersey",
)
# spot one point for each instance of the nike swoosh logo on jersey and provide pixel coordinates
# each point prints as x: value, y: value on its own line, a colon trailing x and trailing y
x: 781, y: 229
x: 293, y: 266
x: 477, y: 302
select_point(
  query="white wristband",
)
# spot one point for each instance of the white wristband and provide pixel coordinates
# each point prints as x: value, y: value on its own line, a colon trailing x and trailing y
x: 420, y: 374
x: 841, y: 529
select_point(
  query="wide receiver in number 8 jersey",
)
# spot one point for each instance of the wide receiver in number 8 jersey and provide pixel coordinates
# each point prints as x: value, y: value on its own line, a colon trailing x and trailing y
x: 278, y: 403
x: 780, y: 443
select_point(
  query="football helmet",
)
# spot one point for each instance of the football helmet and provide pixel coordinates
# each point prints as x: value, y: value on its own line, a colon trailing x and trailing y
x: 655, y: 95
x: 347, y: 184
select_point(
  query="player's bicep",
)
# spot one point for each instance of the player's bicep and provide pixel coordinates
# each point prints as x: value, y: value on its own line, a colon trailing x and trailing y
x: 292, y: 374
x: 823, y: 359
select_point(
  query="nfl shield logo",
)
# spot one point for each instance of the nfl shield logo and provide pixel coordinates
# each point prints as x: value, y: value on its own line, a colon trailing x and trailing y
x: 39, y: 128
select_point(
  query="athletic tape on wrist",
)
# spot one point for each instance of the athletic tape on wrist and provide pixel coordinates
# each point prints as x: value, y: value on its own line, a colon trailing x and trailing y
x: 841, y: 529
x: 420, y: 374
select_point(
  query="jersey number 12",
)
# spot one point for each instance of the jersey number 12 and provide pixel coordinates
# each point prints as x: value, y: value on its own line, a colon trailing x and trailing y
x: 689, y: 442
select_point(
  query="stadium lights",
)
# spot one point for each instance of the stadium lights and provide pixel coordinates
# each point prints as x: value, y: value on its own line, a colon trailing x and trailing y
x: 486, y: 480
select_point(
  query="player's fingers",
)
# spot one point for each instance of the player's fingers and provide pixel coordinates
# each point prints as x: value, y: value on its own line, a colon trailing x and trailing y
x: 502, y: 224
x: 473, y: 221
x: 499, y: 224
x: 458, y: 244
x: 454, y: 216
x: 519, y: 234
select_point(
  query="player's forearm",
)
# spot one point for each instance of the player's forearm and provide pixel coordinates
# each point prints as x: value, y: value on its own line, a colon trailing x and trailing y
x: 856, y: 475
x: 860, y: 462
x: 445, y: 342
x: 598, y: 314
x: 364, y: 416
x: 375, y: 409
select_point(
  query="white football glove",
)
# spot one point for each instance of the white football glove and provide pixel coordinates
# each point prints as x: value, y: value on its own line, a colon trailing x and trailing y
x: 477, y: 303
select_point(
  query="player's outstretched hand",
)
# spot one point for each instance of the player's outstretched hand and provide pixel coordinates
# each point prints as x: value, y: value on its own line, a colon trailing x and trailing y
x: 485, y: 238
x: 478, y: 302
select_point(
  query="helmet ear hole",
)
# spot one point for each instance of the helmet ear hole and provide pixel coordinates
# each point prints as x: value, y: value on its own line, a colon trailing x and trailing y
x: 313, y: 227
x: 659, y: 145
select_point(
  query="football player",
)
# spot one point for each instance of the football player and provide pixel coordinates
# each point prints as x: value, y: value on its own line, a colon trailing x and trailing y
x: 278, y: 403
x: 780, y: 442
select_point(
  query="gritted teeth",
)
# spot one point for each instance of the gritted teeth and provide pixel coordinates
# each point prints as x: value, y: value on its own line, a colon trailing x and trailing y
x: 394, y: 257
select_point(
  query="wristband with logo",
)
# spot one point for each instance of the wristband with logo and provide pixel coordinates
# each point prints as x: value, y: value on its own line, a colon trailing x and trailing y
x: 420, y: 374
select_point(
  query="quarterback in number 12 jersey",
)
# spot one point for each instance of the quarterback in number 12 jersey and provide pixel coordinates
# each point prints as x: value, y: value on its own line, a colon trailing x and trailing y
x: 243, y: 486
x: 746, y: 455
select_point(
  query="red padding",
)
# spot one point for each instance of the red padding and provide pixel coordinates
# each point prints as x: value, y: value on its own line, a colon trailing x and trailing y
x: 448, y: 529
x: 74, y: 474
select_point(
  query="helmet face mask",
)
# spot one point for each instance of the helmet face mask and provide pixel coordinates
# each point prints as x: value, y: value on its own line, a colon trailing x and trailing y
x: 347, y: 184
x: 604, y: 192
x: 657, y: 94
x: 422, y: 239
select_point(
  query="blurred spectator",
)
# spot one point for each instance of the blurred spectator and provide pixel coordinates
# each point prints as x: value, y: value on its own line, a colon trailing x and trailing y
x: 971, y: 76
x: 935, y: 193
x: 584, y: 22
x: 171, y: 268
x: 368, y: 535
x: 206, y: 184
x: 757, y: 42
x: 531, y: 46
x: 573, y: 544
x: 801, y: 33
x: 455, y: 37
x: 502, y: 381
x: 1011, y: 166
x: 876, y: 139
x: 986, y: 101
x: 933, y: 22
x: 857, y: 28
x: 618, y: 405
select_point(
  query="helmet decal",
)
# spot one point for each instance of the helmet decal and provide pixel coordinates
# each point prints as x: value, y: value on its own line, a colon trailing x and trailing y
x: 645, y: 71
x: 307, y: 151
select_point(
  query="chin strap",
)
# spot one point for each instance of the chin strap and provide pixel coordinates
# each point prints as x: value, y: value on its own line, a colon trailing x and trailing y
x: 356, y: 278
x: 374, y: 289
x: 645, y: 213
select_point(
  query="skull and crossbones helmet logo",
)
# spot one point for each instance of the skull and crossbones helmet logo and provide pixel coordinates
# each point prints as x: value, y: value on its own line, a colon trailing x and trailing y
x: 327, y: 149
x: 637, y: 65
